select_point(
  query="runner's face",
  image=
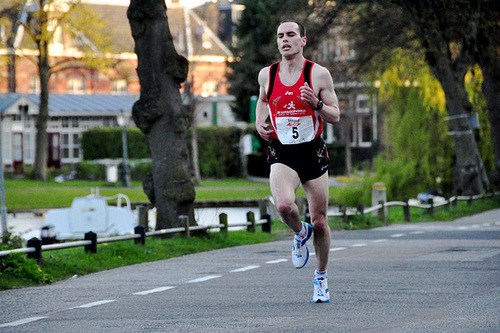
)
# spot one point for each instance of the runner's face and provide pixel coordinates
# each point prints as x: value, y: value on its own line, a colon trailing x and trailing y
x: 289, y: 41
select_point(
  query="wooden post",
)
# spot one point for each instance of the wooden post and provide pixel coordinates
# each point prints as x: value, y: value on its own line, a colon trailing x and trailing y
x: 469, y: 202
x: 184, y: 220
x: 266, y: 227
x: 263, y: 206
x: 37, y: 244
x: 251, y: 219
x: 143, y: 216
x: 431, y: 210
x: 406, y: 209
x: 91, y: 236
x: 361, y: 209
x: 140, y: 230
x: 454, y: 204
x: 343, y: 210
x: 381, y: 213
x: 447, y: 206
x: 223, y: 220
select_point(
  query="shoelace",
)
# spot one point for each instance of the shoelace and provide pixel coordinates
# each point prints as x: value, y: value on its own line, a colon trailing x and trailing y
x: 319, y: 282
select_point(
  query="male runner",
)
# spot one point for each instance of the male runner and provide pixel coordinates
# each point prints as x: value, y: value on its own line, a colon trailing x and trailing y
x: 297, y: 95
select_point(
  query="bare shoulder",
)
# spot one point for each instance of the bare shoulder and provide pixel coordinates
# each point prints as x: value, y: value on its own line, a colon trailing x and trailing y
x: 264, y: 76
x: 320, y: 72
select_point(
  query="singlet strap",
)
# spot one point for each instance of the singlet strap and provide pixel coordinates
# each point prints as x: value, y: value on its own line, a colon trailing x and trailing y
x: 307, y: 72
x: 272, y: 77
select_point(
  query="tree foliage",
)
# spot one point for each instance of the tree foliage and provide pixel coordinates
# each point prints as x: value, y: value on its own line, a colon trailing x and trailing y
x: 419, y: 152
x: 42, y: 20
x: 446, y: 31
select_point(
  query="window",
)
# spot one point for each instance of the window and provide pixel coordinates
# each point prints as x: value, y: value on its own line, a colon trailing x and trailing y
x: 119, y: 86
x: 74, y: 122
x: 76, y: 85
x: 344, y: 104
x: 366, y: 129
x: 34, y: 85
x: 65, y: 122
x: 209, y: 88
x: 362, y: 103
x: 27, y: 146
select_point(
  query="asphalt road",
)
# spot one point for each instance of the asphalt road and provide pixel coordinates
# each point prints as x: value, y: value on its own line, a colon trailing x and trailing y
x: 422, y: 277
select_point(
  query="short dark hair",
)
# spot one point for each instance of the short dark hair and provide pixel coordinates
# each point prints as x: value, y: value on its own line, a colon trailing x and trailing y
x: 302, y: 29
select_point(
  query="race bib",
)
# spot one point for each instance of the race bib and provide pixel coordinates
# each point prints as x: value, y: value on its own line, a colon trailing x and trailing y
x: 293, y: 130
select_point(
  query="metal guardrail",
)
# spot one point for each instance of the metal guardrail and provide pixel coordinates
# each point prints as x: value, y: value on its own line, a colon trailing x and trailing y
x: 35, y: 248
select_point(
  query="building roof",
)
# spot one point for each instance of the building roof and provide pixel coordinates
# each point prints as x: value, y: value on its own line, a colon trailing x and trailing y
x: 191, y: 35
x: 76, y: 104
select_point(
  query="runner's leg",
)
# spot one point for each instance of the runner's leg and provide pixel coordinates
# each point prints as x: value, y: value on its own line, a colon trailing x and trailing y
x: 317, y: 197
x: 284, y: 182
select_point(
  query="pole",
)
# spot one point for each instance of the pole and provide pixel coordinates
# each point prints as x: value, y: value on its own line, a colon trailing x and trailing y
x: 3, y: 209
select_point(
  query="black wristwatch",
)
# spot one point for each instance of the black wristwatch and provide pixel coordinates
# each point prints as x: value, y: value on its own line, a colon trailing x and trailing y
x: 319, y: 106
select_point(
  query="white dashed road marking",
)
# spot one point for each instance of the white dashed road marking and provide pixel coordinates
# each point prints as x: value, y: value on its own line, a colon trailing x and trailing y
x: 22, y: 321
x: 90, y: 305
x: 276, y: 261
x: 152, y: 291
x: 380, y: 240
x: 244, y: 269
x: 205, y: 278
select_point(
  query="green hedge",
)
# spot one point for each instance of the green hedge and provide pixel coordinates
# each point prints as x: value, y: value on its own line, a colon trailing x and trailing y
x: 101, y: 143
x: 218, y: 152
x: 218, y: 148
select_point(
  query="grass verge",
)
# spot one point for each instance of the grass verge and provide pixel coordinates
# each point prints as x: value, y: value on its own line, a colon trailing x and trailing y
x: 17, y: 271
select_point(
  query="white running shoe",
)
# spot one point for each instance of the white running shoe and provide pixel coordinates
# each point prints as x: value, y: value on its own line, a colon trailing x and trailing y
x: 321, y: 293
x: 300, y: 252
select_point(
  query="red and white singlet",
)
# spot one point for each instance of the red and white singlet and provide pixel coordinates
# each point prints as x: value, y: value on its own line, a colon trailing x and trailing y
x: 293, y: 121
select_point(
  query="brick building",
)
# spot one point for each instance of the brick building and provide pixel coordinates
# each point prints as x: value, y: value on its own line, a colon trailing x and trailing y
x: 83, y: 98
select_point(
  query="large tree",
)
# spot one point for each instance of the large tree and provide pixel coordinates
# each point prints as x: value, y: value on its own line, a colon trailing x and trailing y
x: 40, y: 20
x: 159, y: 112
x: 488, y: 57
x: 446, y: 31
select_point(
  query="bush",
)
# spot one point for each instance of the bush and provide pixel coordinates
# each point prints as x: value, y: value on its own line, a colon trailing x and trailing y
x: 16, y: 269
x: 139, y: 169
x: 219, y: 152
x: 101, y: 143
x: 91, y: 171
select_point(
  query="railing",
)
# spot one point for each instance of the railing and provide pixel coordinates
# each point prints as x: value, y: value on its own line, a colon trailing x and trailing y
x: 382, y: 214
x: 35, y: 248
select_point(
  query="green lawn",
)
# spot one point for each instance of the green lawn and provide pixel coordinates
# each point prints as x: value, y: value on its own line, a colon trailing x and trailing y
x: 29, y: 194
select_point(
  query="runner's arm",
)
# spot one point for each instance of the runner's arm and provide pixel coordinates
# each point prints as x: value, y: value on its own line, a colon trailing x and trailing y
x: 323, y: 85
x: 261, y: 109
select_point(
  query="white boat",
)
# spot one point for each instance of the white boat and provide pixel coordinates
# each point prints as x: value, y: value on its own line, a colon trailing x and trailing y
x: 90, y: 213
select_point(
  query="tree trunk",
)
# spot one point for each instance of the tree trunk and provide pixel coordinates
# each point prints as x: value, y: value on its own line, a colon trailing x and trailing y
x: 159, y: 112
x: 486, y: 56
x: 450, y: 69
x: 469, y: 173
x: 40, y: 164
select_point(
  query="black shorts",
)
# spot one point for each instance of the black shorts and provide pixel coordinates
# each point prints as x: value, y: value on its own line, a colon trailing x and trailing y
x: 310, y: 160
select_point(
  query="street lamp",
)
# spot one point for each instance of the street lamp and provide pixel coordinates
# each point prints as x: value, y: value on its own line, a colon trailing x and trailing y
x: 3, y: 209
x: 122, y: 120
